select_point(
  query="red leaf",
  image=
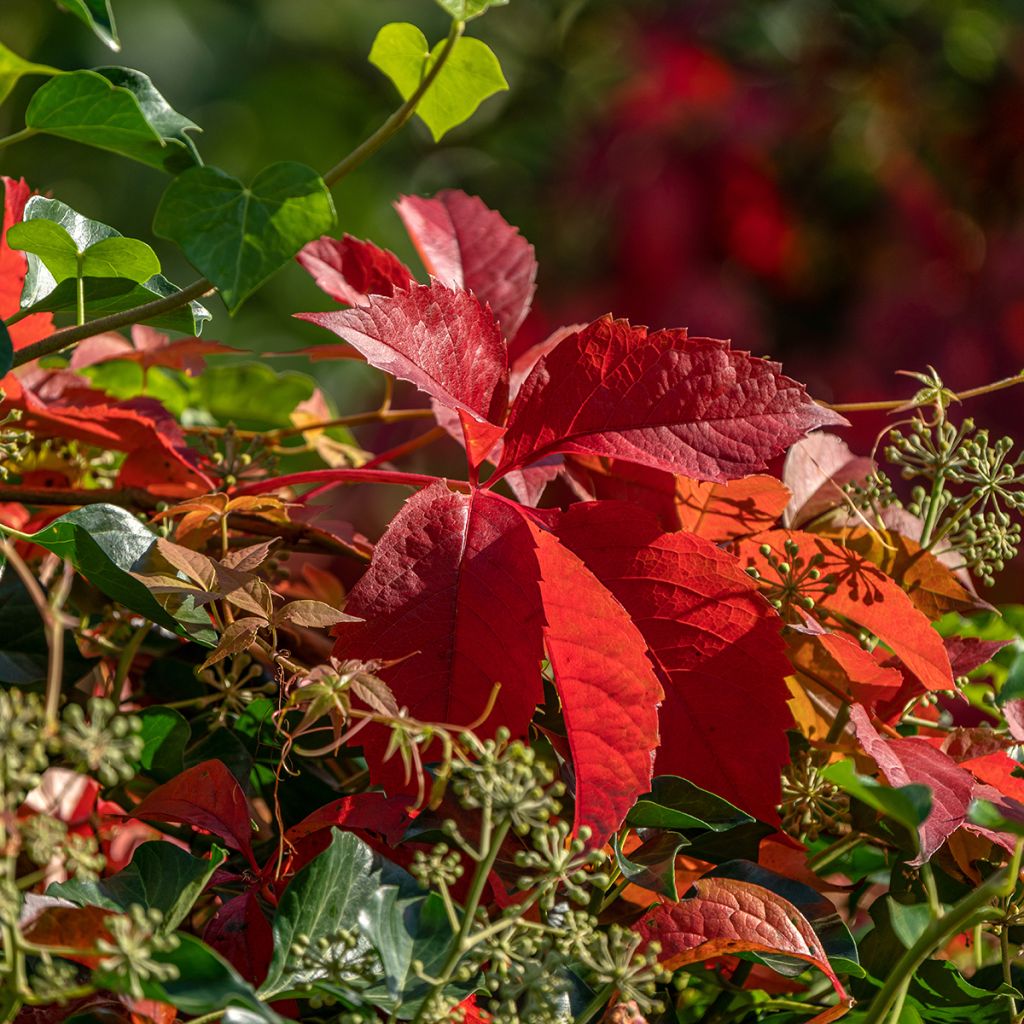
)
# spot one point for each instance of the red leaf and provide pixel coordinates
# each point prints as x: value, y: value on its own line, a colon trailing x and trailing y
x: 607, y: 687
x: 915, y: 760
x: 723, y: 512
x: 864, y: 595
x: 443, y: 341
x: 685, y: 405
x: 13, y: 265
x: 240, y: 932
x: 714, y: 642
x: 837, y: 659
x: 206, y: 796
x: 452, y: 583
x: 148, y: 348
x: 815, y: 471
x: 998, y: 770
x: 350, y: 270
x: 466, y: 245
x: 726, y: 916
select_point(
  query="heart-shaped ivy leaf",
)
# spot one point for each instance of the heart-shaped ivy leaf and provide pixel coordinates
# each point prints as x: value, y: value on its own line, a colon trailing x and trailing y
x: 116, y: 109
x: 470, y: 75
x: 238, y: 235
x: 98, y: 15
x: 464, y: 10
x: 13, y: 67
x: 64, y: 258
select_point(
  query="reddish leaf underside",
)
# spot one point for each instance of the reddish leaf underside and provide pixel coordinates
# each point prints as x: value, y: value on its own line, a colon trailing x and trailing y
x: 442, y: 340
x: 715, y: 644
x: 815, y: 471
x: 864, y: 596
x: 726, y: 916
x: 466, y: 245
x: 206, y: 796
x: 915, y: 760
x: 350, y: 270
x: 691, y: 406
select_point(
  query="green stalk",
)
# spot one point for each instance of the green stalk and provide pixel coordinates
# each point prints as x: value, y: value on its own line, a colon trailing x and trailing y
x: 10, y: 140
x: 596, y: 1004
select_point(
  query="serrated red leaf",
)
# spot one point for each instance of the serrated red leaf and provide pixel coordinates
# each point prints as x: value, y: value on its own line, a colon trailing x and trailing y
x: 350, y: 270
x: 864, y: 596
x: 451, y: 583
x: 466, y: 245
x: 148, y: 348
x: 726, y: 916
x: 915, y: 760
x: 13, y: 266
x: 691, y: 406
x: 205, y: 796
x: 442, y: 340
x: 607, y: 687
x: 715, y: 644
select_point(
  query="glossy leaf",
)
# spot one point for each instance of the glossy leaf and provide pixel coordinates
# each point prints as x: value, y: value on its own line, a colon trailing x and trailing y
x: 675, y: 803
x: 470, y: 74
x: 165, y: 734
x: 13, y: 68
x: 439, y: 339
x: 206, y: 796
x: 703, y: 621
x: 117, y: 109
x: 97, y: 15
x: 62, y: 257
x: 691, y: 406
x: 466, y: 245
x: 909, y: 805
x: 239, y: 235
x: 160, y: 876
x: 652, y: 864
x: 726, y: 916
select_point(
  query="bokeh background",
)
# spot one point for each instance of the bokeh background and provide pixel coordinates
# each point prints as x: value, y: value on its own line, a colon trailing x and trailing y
x: 837, y: 183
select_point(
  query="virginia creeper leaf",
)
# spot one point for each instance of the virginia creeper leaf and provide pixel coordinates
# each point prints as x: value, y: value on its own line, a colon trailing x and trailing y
x: 241, y: 934
x: 97, y: 15
x: 685, y: 405
x: 703, y: 622
x: 62, y: 257
x: 816, y: 469
x: 442, y: 340
x: 14, y: 267
x: 117, y: 109
x: 470, y: 74
x: 239, y: 235
x: 464, y: 244
x: 350, y: 270
x: 726, y: 916
x: 13, y: 68
x: 206, y: 796
x: 915, y: 760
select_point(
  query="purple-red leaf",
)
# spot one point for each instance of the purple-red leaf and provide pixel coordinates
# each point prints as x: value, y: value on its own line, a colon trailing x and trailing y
x: 685, y: 405
x: 466, y: 245
x: 442, y: 340
x: 206, y: 796
x: 714, y: 642
x: 350, y: 270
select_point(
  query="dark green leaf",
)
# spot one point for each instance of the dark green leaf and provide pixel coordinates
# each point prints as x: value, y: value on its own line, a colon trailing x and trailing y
x: 6, y: 350
x: 1005, y: 816
x: 105, y: 543
x: 328, y: 894
x: 674, y: 803
x: 652, y: 865
x: 98, y: 15
x: 464, y: 10
x: 13, y: 67
x: 165, y: 734
x: 239, y: 235
x: 160, y: 875
x: 908, y: 805
x: 470, y: 75
x: 909, y: 920
x: 64, y: 259
x: 116, y: 109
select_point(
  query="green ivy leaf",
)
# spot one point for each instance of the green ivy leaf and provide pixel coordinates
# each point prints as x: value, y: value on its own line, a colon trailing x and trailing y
x: 97, y: 15
x: 105, y: 543
x: 239, y: 235
x: 117, y: 109
x: 328, y: 894
x: 160, y: 876
x: 13, y: 67
x: 470, y: 75
x: 6, y: 350
x: 464, y: 10
x: 64, y: 259
x: 653, y: 863
x: 165, y: 735
x: 675, y: 803
x: 907, y: 805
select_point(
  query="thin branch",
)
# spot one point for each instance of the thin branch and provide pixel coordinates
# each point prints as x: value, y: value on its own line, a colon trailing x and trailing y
x: 901, y: 405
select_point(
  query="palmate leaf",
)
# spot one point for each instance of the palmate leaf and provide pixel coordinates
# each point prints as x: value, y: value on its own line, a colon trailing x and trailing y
x: 238, y: 235
x: 470, y: 75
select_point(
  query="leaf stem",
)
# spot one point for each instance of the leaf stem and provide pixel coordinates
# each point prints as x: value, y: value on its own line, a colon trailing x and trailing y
x: 898, y: 405
x: 10, y: 140
x: 600, y: 1000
